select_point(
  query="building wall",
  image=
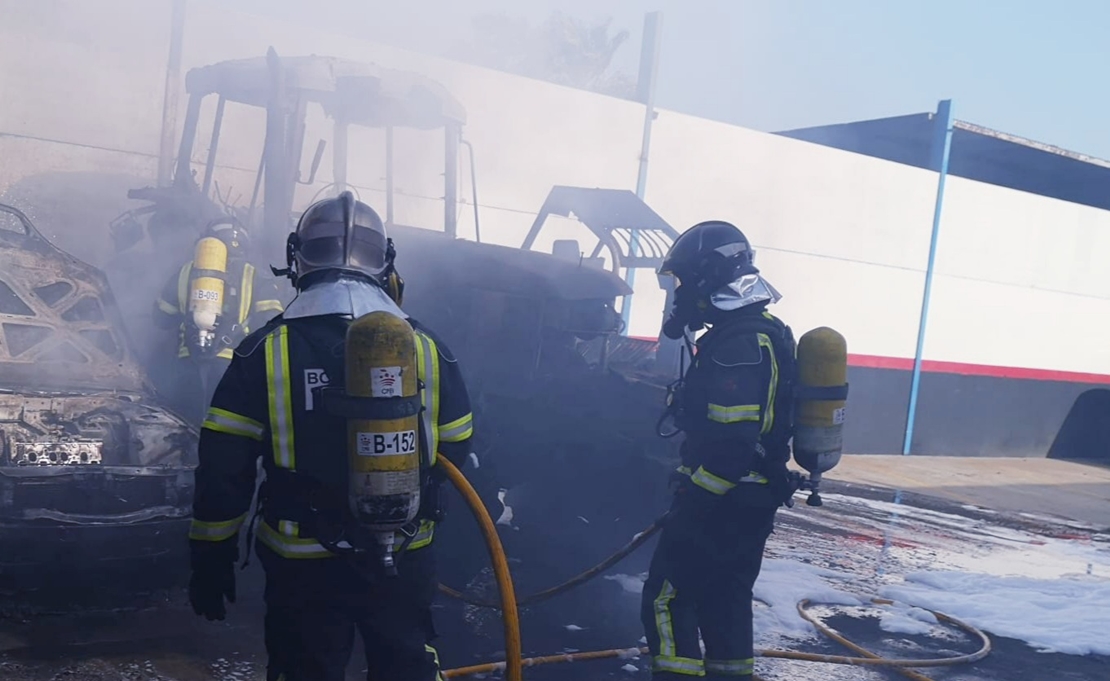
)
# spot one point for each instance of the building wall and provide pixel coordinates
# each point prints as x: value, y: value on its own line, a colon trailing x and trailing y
x: 844, y: 236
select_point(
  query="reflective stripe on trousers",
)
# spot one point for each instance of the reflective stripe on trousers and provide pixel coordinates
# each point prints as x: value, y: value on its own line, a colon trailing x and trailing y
x: 667, y: 660
x: 730, y: 667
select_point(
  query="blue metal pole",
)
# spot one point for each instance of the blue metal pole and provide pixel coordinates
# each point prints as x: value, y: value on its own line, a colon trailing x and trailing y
x: 649, y: 68
x: 942, y: 145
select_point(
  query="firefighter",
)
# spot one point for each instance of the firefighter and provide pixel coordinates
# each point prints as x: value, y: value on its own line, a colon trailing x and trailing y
x: 341, y: 263
x: 249, y: 299
x: 733, y: 406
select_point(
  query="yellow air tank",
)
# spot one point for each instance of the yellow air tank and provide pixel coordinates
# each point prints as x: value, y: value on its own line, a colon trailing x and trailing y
x: 821, y: 397
x: 206, y: 287
x: 384, y: 452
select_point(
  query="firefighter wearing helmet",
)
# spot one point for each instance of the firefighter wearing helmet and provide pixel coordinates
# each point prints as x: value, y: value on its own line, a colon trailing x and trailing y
x: 214, y: 300
x: 733, y: 406
x: 348, y: 401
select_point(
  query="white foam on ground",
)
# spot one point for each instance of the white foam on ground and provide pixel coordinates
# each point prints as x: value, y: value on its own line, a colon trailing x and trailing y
x: 1063, y: 615
x: 507, y: 511
x: 900, y: 618
x: 781, y: 584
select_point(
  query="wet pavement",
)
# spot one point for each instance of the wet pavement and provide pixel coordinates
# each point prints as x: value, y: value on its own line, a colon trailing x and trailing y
x: 863, y: 540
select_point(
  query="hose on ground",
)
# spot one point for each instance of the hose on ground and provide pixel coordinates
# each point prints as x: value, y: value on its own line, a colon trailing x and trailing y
x: 869, y: 659
x: 509, y: 617
x: 899, y: 665
x: 514, y: 664
x: 583, y: 577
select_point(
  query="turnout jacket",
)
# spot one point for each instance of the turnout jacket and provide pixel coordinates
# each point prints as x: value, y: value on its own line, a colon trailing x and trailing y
x: 249, y: 301
x: 265, y: 407
x: 736, y: 402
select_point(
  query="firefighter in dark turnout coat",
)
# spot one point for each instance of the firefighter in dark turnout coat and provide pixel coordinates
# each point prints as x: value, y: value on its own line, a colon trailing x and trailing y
x: 734, y: 406
x: 341, y: 263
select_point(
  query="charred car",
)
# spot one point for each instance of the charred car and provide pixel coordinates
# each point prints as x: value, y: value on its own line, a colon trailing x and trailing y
x: 95, y: 478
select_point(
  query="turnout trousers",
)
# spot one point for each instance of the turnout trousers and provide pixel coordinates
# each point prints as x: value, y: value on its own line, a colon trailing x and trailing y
x: 700, y: 581
x: 315, y: 606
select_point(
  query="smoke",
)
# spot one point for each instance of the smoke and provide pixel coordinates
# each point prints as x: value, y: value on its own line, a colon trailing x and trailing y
x: 88, y: 129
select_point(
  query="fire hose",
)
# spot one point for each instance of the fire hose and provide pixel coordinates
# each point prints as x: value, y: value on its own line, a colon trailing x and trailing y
x: 514, y: 664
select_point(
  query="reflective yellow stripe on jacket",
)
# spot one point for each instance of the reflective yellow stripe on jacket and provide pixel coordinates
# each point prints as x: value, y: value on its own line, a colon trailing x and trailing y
x: 279, y: 392
x: 769, y: 412
x: 287, y: 543
x: 215, y: 531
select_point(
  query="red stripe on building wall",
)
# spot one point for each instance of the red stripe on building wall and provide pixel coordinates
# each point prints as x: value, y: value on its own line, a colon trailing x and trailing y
x: 936, y: 367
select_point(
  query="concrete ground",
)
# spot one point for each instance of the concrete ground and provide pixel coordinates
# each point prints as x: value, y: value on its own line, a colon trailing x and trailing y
x: 1069, y: 490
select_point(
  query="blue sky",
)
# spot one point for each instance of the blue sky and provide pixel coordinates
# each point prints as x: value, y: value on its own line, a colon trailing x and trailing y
x: 1027, y: 67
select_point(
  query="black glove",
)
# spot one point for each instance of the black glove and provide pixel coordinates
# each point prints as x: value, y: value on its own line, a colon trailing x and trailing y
x: 213, y: 576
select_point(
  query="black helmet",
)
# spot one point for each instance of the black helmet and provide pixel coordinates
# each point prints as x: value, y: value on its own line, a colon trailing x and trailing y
x: 704, y: 260
x: 340, y: 235
x: 233, y: 233
x: 708, y: 256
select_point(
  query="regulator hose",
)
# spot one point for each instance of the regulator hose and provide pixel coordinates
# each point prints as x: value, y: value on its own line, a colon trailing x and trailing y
x: 637, y: 541
x: 509, y: 615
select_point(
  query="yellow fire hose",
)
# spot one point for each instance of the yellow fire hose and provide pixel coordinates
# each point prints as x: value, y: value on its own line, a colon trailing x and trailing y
x: 509, y: 615
x: 514, y: 664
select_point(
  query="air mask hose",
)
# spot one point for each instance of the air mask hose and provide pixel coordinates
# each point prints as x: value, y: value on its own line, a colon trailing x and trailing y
x: 509, y: 614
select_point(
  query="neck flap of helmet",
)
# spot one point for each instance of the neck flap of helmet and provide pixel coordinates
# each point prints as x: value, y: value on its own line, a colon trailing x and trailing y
x: 342, y: 294
x: 747, y: 289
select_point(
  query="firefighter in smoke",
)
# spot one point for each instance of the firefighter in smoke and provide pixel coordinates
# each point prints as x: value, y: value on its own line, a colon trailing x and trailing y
x: 734, y: 406
x: 214, y: 300
x: 322, y: 581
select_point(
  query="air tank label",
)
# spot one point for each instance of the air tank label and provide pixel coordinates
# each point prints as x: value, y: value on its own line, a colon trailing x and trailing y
x: 205, y: 294
x: 385, y: 381
x: 387, y: 444
x: 838, y: 415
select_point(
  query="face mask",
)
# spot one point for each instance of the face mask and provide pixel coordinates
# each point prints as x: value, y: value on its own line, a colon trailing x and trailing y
x: 683, y: 314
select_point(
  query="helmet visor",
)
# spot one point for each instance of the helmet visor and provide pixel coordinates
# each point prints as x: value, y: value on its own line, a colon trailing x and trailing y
x: 368, y: 251
x: 327, y: 249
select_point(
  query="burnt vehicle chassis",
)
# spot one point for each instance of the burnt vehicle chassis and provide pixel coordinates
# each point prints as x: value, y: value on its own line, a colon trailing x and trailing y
x: 95, y: 479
